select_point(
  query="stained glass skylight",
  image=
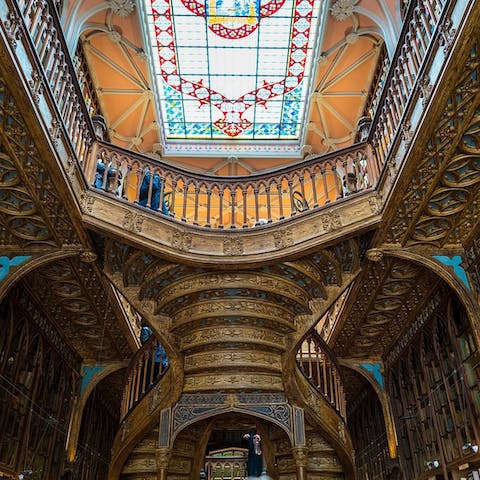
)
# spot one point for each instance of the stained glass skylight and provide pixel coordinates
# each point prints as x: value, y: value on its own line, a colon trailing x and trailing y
x: 233, y: 76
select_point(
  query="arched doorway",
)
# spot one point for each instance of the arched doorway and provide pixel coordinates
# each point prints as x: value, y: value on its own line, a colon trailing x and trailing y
x: 217, y: 451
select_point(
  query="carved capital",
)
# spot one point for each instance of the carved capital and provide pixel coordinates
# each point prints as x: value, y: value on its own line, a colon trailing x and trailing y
x: 300, y: 454
x: 162, y: 457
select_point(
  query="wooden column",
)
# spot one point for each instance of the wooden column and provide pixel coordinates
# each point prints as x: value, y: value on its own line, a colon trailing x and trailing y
x: 162, y: 456
x: 301, y: 459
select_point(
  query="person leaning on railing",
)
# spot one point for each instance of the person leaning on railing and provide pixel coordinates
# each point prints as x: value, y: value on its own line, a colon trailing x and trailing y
x: 161, y: 359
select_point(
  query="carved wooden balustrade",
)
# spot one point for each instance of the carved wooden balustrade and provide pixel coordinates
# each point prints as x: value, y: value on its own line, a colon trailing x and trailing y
x: 226, y: 464
x: 233, y: 202
x: 319, y: 366
x: 225, y: 202
x: 146, y: 368
x: 423, y: 19
x: 41, y: 21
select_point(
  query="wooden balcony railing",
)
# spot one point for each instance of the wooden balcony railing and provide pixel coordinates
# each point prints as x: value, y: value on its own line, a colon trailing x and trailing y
x: 41, y: 21
x: 146, y: 368
x: 319, y: 366
x: 226, y: 202
x: 232, y: 202
x: 226, y: 464
x: 422, y: 20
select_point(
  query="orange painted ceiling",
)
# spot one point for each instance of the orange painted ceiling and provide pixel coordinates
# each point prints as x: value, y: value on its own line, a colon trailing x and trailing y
x: 110, y: 36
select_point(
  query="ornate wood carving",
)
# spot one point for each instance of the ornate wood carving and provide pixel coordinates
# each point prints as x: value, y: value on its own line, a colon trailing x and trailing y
x: 31, y: 210
x: 270, y: 405
x: 80, y: 308
x: 438, y: 205
x: 390, y: 291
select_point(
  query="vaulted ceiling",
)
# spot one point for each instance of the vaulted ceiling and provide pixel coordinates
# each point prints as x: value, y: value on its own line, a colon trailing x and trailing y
x: 350, y: 60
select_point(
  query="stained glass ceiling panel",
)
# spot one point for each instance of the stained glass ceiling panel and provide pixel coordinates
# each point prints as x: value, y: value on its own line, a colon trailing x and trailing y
x: 233, y: 76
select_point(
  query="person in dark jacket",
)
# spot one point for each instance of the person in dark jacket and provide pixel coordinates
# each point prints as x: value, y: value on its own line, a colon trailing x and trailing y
x: 255, y: 455
x: 145, y: 333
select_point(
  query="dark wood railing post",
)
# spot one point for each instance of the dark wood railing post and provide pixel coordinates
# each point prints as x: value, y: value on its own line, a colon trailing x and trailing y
x: 319, y: 366
x: 145, y: 370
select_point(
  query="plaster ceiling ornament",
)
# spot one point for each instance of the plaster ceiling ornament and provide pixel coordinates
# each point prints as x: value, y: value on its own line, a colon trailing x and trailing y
x: 122, y: 8
x: 342, y: 9
x: 114, y: 36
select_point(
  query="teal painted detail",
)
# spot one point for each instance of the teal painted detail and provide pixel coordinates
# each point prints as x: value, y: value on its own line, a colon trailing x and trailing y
x: 455, y: 262
x: 89, y: 373
x: 6, y: 263
x: 375, y: 370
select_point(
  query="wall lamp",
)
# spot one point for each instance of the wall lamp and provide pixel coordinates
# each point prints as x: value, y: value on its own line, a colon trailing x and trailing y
x: 433, y: 464
x: 469, y: 447
x: 24, y: 474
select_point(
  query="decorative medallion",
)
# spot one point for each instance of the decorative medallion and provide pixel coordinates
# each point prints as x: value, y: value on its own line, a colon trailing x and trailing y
x: 122, y: 8
x: 342, y: 9
x: 233, y: 246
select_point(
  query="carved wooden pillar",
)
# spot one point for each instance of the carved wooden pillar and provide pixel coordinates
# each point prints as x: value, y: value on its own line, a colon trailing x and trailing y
x: 162, y: 456
x: 301, y: 459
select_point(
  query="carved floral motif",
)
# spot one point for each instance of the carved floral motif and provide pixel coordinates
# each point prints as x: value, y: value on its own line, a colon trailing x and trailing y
x: 133, y: 221
x: 331, y: 222
x: 181, y: 240
x: 233, y: 246
x: 283, y: 237
x: 342, y: 9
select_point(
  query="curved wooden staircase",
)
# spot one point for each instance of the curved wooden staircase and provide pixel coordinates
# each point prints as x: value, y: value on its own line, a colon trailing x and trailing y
x: 231, y: 332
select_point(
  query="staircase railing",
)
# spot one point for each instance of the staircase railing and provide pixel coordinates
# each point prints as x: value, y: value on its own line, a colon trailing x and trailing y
x: 422, y: 21
x: 319, y: 366
x: 146, y: 368
x: 224, y: 202
x: 41, y: 21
